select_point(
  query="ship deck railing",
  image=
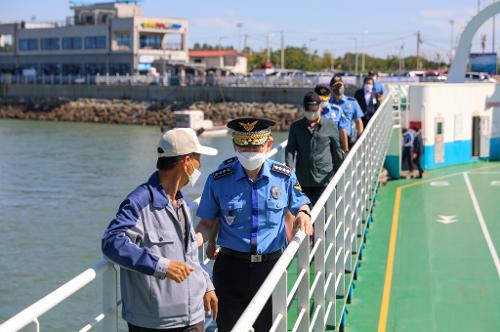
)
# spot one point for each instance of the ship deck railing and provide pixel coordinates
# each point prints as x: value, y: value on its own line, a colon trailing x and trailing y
x: 310, y: 285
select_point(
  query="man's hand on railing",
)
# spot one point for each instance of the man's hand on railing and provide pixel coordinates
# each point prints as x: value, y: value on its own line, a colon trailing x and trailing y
x: 178, y: 271
x: 303, y: 222
x: 211, y: 303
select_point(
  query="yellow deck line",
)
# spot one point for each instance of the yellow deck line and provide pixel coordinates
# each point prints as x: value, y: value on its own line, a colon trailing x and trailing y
x: 386, y: 295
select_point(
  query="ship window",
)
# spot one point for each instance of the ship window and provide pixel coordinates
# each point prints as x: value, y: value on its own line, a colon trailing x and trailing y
x: 439, y: 130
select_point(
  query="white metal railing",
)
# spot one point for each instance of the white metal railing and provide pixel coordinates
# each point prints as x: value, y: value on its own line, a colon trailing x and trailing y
x: 27, y: 319
x: 302, y: 80
x: 340, y: 218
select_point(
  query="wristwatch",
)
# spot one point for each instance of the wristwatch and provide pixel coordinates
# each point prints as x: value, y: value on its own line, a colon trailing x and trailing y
x: 306, y: 212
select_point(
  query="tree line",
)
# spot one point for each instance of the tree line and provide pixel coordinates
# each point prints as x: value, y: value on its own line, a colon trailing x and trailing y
x: 300, y: 58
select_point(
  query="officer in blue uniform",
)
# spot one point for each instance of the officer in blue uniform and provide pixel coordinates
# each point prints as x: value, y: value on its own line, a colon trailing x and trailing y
x: 246, y: 201
x: 378, y: 87
x: 332, y: 111
x: 324, y: 92
x: 352, y: 112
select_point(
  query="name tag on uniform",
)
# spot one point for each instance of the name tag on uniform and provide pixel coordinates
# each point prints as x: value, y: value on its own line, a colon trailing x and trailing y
x: 233, y: 206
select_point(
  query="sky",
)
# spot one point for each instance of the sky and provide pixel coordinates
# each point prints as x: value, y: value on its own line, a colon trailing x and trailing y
x: 380, y: 28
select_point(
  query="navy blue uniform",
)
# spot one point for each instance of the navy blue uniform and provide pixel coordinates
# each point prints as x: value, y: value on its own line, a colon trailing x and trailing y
x: 251, y: 216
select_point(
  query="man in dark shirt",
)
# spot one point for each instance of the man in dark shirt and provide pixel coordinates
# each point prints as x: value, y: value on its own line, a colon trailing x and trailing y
x: 418, y: 151
x: 314, y: 140
x: 367, y: 99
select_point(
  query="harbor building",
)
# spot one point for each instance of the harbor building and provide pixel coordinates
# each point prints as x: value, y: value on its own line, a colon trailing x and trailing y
x: 99, y: 38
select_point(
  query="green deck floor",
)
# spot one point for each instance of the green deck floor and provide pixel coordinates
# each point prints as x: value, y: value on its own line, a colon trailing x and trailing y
x: 444, y: 277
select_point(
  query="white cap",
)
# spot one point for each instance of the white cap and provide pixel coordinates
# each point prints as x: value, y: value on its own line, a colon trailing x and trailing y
x: 182, y: 141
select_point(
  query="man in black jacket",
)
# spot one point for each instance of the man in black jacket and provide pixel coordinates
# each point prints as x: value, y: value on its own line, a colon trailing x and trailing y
x: 314, y: 141
x: 418, y: 150
x: 367, y: 99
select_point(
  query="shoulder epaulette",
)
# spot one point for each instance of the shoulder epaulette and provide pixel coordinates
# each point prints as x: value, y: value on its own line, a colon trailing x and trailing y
x: 350, y: 98
x: 229, y: 160
x: 283, y: 169
x: 222, y: 172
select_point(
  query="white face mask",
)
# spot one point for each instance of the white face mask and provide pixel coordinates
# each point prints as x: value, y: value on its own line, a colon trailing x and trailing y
x: 251, y: 160
x: 194, y: 177
x: 368, y: 88
x: 311, y: 116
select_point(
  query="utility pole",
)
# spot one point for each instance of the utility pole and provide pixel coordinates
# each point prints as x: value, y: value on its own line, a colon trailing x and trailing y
x: 401, y: 58
x: 363, y: 54
x: 419, y: 41
x: 282, y: 49
x: 356, y: 55
x: 309, y: 48
x: 245, y: 41
x: 239, y: 26
x: 268, y: 47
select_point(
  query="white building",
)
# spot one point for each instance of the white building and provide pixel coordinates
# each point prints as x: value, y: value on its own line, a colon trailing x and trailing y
x: 102, y: 38
x: 228, y: 60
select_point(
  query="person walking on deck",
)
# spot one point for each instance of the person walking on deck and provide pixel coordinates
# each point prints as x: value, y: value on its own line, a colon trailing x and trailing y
x: 249, y: 198
x: 418, y: 151
x: 353, y: 113
x: 408, y: 150
x: 313, y: 148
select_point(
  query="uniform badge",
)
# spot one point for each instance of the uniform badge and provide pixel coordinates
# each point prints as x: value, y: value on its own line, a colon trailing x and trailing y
x: 297, y: 186
x: 248, y: 126
x: 275, y: 192
x: 348, y: 106
x: 229, y: 220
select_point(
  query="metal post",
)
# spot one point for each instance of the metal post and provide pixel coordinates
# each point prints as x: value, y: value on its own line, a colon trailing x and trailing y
x: 340, y: 229
x: 279, y: 299
x: 319, y: 270
x: 110, y: 299
x: 303, y: 291
x: 330, y: 271
x: 34, y: 326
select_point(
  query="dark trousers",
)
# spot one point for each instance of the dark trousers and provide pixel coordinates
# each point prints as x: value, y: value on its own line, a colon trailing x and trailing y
x: 313, y: 193
x: 198, y: 327
x: 407, y: 156
x: 236, y: 281
x: 416, y: 161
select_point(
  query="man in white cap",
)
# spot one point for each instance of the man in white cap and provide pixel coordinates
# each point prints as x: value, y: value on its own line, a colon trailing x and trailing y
x: 163, y: 286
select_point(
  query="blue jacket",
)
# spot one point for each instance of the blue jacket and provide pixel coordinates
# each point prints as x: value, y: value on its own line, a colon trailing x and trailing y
x: 143, y: 237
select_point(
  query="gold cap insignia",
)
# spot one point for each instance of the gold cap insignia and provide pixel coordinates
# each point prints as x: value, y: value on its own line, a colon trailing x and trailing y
x: 248, y: 126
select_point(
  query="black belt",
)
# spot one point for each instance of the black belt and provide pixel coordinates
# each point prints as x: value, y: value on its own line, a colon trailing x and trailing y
x: 251, y: 257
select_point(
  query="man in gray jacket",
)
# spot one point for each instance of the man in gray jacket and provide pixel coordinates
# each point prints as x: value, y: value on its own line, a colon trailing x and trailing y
x: 314, y: 140
x: 163, y: 285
